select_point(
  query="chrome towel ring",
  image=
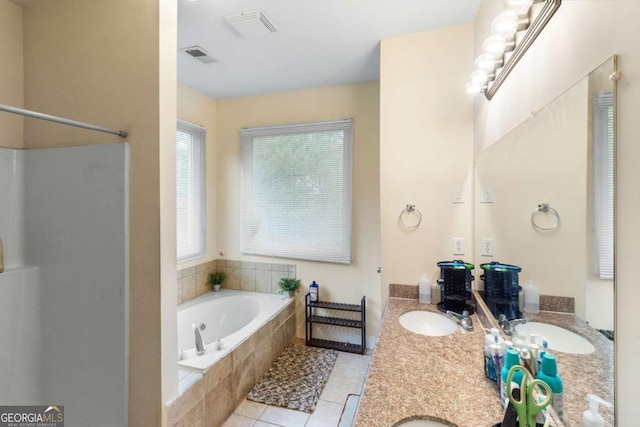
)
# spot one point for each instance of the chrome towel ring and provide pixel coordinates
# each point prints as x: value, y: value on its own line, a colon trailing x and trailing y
x: 545, y: 208
x: 409, y: 210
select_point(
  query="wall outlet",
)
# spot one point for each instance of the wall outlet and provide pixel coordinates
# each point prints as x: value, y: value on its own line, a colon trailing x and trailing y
x: 458, y: 245
x: 486, y: 247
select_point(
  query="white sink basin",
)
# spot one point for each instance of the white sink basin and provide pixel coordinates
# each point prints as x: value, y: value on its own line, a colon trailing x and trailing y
x: 430, y: 324
x: 559, y: 339
x: 423, y: 423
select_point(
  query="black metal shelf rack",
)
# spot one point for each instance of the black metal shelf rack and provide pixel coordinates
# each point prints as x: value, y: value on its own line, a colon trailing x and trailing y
x: 312, y: 318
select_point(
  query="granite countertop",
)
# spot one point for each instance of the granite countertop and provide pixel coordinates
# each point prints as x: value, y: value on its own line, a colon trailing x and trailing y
x: 581, y: 374
x: 415, y: 376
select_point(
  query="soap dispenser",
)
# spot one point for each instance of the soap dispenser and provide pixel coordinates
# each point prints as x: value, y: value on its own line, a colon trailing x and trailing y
x: 591, y: 417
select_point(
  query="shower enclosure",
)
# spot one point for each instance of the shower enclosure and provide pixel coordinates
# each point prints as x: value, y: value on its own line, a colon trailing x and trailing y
x: 64, y: 292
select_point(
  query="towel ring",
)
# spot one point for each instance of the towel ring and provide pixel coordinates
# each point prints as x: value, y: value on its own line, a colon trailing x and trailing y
x: 410, y: 209
x: 545, y: 208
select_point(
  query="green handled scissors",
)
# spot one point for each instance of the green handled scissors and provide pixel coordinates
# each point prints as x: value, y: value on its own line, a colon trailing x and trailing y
x: 527, y: 405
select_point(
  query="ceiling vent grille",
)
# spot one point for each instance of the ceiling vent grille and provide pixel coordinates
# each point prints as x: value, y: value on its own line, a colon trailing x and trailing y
x: 251, y: 23
x: 198, y: 53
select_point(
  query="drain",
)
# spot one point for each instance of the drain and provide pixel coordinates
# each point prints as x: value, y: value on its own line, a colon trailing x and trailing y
x: 202, y: 326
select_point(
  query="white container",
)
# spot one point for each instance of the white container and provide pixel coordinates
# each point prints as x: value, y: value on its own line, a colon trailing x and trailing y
x: 531, y: 298
x: 424, y: 290
x: 435, y: 293
x: 591, y: 417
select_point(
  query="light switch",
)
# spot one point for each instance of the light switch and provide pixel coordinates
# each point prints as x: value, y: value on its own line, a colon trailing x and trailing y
x: 458, y: 194
x: 486, y: 194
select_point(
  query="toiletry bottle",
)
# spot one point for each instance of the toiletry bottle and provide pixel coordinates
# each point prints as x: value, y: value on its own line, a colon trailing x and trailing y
x: 424, y: 290
x: 511, y: 359
x: 489, y: 366
x: 531, y: 298
x: 591, y: 417
x: 314, y: 291
x: 534, y: 349
x: 545, y: 344
x: 435, y: 293
x: 489, y: 369
x: 497, y: 353
x: 549, y: 374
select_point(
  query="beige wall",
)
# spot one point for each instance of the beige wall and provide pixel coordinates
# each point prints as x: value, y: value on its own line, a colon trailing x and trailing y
x: 12, y: 72
x: 360, y: 101
x: 167, y: 108
x: 582, y: 35
x: 199, y: 109
x: 111, y: 64
x: 426, y: 148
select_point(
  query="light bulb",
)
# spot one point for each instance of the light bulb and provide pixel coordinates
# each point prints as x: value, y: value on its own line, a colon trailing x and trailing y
x: 479, y: 77
x: 518, y: 6
x: 487, y: 62
x: 505, y: 24
x: 474, y: 89
x: 494, y: 45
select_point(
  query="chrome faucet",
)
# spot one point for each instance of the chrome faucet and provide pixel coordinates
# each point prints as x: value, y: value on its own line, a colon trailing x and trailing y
x: 201, y: 348
x: 463, y: 319
x: 509, y: 326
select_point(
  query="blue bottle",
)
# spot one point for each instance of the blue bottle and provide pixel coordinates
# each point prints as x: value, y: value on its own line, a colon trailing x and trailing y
x: 314, y: 291
x: 549, y: 374
x: 512, y: 359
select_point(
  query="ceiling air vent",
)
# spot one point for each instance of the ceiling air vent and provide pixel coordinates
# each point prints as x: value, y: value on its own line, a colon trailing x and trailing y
x: 251, y: 23
x: 198, y: 53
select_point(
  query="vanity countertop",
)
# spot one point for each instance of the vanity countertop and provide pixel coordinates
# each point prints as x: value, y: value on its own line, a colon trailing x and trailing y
x: 416, y: 376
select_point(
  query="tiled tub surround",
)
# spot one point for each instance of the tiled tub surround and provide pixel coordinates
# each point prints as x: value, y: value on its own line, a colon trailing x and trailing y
x: 581, y: 374
x: 208, y: 398
x: 241, y: 275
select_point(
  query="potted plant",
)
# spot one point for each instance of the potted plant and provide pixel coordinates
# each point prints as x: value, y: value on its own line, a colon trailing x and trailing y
x: 289, y: 285
x: 216, y: 279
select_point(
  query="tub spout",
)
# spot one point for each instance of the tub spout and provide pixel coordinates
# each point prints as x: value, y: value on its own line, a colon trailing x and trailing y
x: 201, y: 348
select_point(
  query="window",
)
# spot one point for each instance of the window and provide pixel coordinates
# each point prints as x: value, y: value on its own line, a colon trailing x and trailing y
x: 190, y: 191
x: 296, y: 191
x: 603, y: 175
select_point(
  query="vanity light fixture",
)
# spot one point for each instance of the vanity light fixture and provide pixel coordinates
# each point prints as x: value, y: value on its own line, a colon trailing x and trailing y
x: 503, y: 49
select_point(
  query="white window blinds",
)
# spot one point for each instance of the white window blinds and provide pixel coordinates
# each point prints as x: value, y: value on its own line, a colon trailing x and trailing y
x: 296, y: 191
x: 190, y: 191
x: 603, y: 175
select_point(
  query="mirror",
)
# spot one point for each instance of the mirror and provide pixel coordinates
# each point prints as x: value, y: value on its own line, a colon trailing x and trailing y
x: 563, y: 156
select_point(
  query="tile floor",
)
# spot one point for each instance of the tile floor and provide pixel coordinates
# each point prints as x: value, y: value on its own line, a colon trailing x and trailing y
x: 346, y: 378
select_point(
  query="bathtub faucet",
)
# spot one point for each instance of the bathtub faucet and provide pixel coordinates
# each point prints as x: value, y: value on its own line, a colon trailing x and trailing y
x: 200, y: 346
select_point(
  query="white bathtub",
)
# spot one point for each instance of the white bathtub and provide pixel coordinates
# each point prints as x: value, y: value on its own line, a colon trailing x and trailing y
x: 229, y: 316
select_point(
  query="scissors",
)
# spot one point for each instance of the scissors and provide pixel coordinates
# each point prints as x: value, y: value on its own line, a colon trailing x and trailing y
x: 527, y: 405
